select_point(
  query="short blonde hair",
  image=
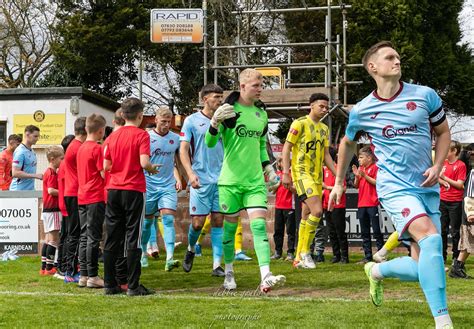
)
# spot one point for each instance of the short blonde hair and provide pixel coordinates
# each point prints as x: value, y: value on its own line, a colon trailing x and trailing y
x: 54, y: 152
x: 248, y: 74
x: 163, y: 111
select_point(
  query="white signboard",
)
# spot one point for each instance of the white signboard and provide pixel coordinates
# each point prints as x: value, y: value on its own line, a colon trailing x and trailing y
x: 176, y: 25
x: 19, y: 225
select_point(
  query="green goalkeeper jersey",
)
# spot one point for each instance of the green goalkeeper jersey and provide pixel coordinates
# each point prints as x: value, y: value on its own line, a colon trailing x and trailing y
x: 244, y: 147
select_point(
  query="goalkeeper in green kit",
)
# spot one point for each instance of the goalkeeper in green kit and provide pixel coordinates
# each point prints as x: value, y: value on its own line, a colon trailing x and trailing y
x: 242, y: 123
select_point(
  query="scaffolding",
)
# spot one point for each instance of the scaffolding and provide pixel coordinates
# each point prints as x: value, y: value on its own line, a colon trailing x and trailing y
x: 335, y: 64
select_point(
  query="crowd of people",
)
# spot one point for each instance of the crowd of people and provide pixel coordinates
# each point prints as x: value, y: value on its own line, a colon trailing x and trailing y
x: 127, y: 180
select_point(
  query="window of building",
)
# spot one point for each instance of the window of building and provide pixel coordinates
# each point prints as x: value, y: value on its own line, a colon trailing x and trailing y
x: 3, y: 134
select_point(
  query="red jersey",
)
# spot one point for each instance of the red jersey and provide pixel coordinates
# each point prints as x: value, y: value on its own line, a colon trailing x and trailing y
x: 329, y: 180
x: 6, y: 159
x: 71, y: 185
x: 61, y: 174
x: 123, y: 149
x: 456, y: 171
x: 283, y: 197
x: 367, y: 192
x: 90, y: 162
x: 50, y: 180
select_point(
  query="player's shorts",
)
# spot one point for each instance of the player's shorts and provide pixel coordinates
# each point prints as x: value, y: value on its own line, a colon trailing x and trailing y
x: 161, y: 198
x: 51, y: 221
x: 404, y: 207
x: 233, y: 198
x: 307, y: 188
x: 203, y: 200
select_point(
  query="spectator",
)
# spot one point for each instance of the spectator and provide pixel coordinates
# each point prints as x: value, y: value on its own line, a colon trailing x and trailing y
x: 24, y: 162
x: 451, y: 182
x: 368, y: 202
x: 6, y: 159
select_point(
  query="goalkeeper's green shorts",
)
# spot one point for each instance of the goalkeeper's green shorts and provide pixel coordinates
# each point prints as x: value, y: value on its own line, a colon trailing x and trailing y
x: 233, y: 198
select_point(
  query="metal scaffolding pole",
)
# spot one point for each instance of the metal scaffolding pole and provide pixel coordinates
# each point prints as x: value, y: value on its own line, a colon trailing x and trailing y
x: 286, y: 10
x: 204, y: 9
x: 215, y: 51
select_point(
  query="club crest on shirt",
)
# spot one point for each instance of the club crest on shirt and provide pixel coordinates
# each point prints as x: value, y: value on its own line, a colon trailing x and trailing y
x: 405, y: 212
x: 411, y: 106
x: 257, y: 114
x: 224, y: 206
x: 309, y: 191
x: 171, y: 141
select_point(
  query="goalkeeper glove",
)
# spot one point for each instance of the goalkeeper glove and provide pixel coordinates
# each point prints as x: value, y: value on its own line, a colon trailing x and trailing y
x: 273, y: 179
x: 223, y: 112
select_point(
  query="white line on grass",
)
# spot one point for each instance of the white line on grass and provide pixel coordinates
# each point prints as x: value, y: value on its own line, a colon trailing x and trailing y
x: 178, y: 297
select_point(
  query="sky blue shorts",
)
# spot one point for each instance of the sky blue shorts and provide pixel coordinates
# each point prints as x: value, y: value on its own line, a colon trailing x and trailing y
x: 161, y: 198
x: 204, y: 200
x: 405, y: 207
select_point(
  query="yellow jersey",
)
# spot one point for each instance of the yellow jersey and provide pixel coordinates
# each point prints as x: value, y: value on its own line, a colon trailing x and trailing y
x: 309, y: 141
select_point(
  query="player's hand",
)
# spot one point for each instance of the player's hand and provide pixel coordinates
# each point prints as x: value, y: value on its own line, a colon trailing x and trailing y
x: 39, y: 176
x: 470, y: 219
x: 223, y: 112
x: 432, y: 176
x: 273, y: 179
x: 154, y: 168
x: 446, y: 185
x: 335, y: 196
x: 178, y: 186
x: 286, y: 181
x: 194, y: 181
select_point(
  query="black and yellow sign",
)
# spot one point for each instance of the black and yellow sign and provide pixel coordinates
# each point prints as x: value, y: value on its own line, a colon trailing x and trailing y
x: 52, y: 126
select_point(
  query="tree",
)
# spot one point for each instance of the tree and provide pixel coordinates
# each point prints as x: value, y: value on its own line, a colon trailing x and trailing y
x: 25, y: 39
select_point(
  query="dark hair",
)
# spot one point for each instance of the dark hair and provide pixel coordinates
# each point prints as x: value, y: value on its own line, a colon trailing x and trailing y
x: 372, y: 50
x: 66, y: 141
x: 80, y: 126
x: 318, y: 96
x: 368, y: 151
x: 131, y: 108
x: 211, y: 89
x: 14, y: 138
x: 31, y: 129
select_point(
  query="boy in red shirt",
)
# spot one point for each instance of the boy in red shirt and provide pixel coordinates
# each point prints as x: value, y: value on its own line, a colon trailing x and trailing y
x: 62, y: 248
x: 51, y: 216
x: 335, y: 218
x: 71, y: 186
x: 90, y: 198
x: 6, y: 159
x: 126, y: 154
x: 368, y: 202
x: 284, y: 216
x: 451, y: 182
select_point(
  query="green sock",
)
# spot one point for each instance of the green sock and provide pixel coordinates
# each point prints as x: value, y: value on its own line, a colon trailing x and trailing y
x: 260, y: 241
x: 228, y: 241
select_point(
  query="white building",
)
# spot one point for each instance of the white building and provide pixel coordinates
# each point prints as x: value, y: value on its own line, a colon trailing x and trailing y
x: 53, y: 110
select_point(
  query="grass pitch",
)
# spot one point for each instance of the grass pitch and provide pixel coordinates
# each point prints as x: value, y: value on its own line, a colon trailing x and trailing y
x: 331, y: 296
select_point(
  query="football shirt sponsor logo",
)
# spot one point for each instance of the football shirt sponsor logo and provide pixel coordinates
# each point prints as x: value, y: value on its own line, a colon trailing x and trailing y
x: 390, y: 131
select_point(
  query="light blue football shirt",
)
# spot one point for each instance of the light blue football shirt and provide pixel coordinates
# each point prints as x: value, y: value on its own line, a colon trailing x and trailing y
x: 25, y: 159
x: 399, y: 129
x: 206, y: 162
x: 162, y: 151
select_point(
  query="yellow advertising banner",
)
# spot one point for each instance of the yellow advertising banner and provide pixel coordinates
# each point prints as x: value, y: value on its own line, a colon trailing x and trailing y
x: 176, y: 25
x: 52, y: 126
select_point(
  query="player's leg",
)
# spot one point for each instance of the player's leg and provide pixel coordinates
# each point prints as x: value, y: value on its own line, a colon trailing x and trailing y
x: 336, y: 248
x: 443, y: 208
x: 204, y: 231
x: 391, y: 243
x: 320, y: 238
x: 339, y: 218
x: 364, y: 220
x: 290, y: 235
x: 151, y: 207
x: 167, y: 204
x: 278, y: 232
x: 375, y: 224
x: 255, y: 201
x: 217, y: 233
x: 230, y: 203
x: 239, y: 252
x: 152, y: 247
x: 52, y: 246
x: 455, y: 219
x: 315, y: 206
x: 194, y: 231
x: 83, y: 246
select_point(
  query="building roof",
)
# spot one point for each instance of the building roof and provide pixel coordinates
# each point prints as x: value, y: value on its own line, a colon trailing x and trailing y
x: 58, y: 93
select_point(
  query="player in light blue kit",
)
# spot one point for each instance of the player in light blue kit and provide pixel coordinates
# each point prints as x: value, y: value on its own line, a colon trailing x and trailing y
x: 24, y: 162
x: 398, y: 117
x: 161, y: 189
x: 203, y: 174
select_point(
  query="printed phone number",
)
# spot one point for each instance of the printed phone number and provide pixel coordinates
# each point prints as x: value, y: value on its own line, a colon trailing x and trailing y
x: 15, y: 213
